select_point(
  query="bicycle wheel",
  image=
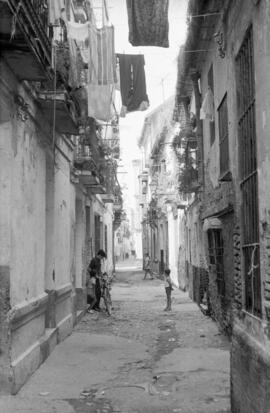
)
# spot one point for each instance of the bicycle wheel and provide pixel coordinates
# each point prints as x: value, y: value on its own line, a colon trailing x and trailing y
x: 107, y: 301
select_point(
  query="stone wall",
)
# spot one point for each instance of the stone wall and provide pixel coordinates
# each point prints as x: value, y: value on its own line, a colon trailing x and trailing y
x: 250, y: 363
x: 250, y: 374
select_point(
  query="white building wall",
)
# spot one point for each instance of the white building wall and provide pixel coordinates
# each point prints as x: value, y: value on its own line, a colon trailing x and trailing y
x: 108, y: 221
x: 173, y: 244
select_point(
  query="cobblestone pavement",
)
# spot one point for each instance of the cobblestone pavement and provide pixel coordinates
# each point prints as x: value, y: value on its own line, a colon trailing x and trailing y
x: 139, y: 360
x: 186, y: 368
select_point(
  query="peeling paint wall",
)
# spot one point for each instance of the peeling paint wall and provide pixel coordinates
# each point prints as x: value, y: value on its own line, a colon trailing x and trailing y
x: 37, y: 243
x: 250, y: 365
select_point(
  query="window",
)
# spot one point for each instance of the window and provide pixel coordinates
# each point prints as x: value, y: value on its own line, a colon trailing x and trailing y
x: 223, y: 136
x: 248, y: 171
x: 144, y: 187
x: 211, y: 86
x: 215, y: 248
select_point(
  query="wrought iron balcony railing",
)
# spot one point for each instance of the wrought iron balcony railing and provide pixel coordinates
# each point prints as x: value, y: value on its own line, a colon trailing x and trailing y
x: 25, y: 38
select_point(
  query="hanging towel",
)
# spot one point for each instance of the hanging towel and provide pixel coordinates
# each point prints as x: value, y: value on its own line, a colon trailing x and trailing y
x: 117, y: 85
x: 132, y: 83
x: 57, y: 10
x: 77, y: 75
x: 208, y: 107
x: 97, y: 47
x: 102, y: 62
x: 148, y: 22
x: 80, y: 33
x: 100, y: 102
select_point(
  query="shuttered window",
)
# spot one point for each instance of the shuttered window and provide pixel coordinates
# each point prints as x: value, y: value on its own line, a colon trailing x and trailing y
x: 223, y: 136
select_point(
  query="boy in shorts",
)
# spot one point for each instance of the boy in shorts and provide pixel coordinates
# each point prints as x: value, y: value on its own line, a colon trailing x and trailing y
x: 168, y: 289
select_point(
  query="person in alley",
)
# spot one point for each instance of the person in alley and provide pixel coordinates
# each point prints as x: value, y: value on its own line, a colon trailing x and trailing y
x: 168, y: 289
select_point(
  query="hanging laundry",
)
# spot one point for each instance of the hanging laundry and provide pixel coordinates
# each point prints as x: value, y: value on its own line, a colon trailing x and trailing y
x: 148, y: 22
x: 101, y: 102
x: 132, y: 83
x: 80, y: 33
x: 97, y: 45
x: 57, y: 11
x: 102, y: 62
x: 208, y: 106
x: 117, y: 85
x: 77, y: 72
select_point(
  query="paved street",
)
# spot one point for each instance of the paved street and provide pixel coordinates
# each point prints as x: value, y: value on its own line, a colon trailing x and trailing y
x: 139, y: 360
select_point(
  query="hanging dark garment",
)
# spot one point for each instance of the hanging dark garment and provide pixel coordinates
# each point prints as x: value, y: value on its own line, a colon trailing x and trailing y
x: 148, y: 22
x: 132, y: 83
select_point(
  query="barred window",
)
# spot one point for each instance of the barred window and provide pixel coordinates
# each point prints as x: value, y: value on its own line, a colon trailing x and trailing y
x: 211, y: 86
x: 223, y: 136
x: 215, y: 249
x: 248, y: 170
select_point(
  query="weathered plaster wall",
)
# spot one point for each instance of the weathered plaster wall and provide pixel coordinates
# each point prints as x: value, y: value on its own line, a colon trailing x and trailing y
x: 196, y: 262
x: 173, y: 244
x: 108, y: 221
x: 182, y: 252
x: 262, y: 84
x: 250, y: 363
x: 219, y: 195
x: 62, y: 221
x: 28, y: 216
x: 80, y: 242
x: 37, y: 219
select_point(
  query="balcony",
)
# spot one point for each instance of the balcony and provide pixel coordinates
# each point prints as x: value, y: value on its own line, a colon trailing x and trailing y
x: 91, y: 182
x: 118, y: 217
x: 24, y: 38
x: 118, y: 200
x: 109, y: 175
x: 86, y: 167
x: 188, y: 179
x: 117, y: 206
x: 65, y: 110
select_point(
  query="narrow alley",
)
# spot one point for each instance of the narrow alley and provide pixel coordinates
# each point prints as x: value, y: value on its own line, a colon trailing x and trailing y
x: 141, y: 359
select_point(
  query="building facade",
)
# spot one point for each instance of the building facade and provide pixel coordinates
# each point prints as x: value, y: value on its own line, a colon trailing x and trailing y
x: 159, y: 198
x: 224, y: 86
x: 57, y: 189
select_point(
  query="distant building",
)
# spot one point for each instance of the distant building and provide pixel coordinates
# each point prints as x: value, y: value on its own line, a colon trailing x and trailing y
x: 159, y: 198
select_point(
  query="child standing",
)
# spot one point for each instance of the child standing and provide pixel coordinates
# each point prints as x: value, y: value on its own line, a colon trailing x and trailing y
x: 147, y: 267
x: 168, y: 289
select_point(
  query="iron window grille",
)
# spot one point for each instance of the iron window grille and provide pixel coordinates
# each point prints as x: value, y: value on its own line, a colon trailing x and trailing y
x: 223, y: 136
x: 216, y: 252
x: 248, y: 172
x: 211, y: 86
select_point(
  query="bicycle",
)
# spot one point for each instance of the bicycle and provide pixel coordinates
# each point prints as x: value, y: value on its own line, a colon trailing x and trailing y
x: 105, y: 292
